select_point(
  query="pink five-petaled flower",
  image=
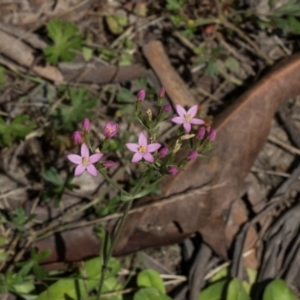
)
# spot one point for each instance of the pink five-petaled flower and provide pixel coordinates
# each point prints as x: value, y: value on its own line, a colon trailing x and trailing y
x: 142, y: 149
x: 110, y: 130
x: 85, y: 161
x: 187, y: 117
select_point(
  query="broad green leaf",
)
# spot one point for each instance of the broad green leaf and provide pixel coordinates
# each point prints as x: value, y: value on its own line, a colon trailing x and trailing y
x: 65, y: 37
x: 52, y: 176
x: 125, y: 96
x: 80, y: 287
x: 23, y: 288
x: 232, y: 64
x: 17, y: 129
x: 87, y: 53
x: 223, y: 273
x: 175, y: 5
x: 214, y: 291
x: 252, y: 275
x: 151, y: 278
x: 236, y: 291
x: 114, y: 25
x: 278, y: 289
x: 150, y: 294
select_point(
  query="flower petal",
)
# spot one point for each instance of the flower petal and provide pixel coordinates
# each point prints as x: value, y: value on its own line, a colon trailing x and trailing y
x: 193, y: 111
x: 137, y: 157
x: 187, y: 127
x: 85, y: 150
x: 197, y: 121
x: 178, y: 120
x: 95, y: 158
x: 153, y: 147
x: 142, y: 139
x: 132, y: 147
x: 74, y: 158
x: 180, y: 110
x: 92, y: 170
x: 79, y: 170
x: 148, y: 157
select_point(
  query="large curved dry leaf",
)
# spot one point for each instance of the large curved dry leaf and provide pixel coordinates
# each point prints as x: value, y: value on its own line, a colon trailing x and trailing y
x: 185, y: 209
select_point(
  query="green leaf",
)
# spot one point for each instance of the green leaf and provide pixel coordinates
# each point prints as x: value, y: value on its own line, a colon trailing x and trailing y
x: 51, y: 175
x: 211, y: 69
x: 115, y: 24
x: 175, y: 5
x: 125, y: 96
x: 151, y: 278
x: 2, y: 75
x: 232, y: 64
x: 19, y: 127
x: 150, y: 294
x: 78, y: 288
x: 65, y: 37
x: 87, y: 53
x: 214, y: 291
x: 278, y: 289
x: 236, y: 291
x: 222, y: 274
x: 69, y: 114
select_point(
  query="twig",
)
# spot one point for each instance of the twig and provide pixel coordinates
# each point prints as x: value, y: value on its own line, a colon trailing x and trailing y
x: 284, y: 145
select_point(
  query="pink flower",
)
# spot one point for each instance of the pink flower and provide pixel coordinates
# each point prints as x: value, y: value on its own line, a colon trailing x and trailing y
x: 77, y: 138
x: 163, y: 152
x: 85, y: 161
x: 187, y: 117
x: 166, y: 108
x: 201, y: 133
x: 142, y: 149
x: 109, y: 164
x: 192, y: 155
x: 86, y: 124
x: 110, y: 130
x: 162, y: 92
x: 212, y: 135
x: 172, y: 170
x: 141, y: 95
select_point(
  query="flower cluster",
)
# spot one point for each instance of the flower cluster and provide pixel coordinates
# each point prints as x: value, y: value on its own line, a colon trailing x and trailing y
x: 158, y: 158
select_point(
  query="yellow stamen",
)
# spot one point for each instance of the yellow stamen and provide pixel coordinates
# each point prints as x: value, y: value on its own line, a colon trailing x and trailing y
x: 85, y: 161
x: 187, y: 118
x: 109, y: 130
x: 142, y: 149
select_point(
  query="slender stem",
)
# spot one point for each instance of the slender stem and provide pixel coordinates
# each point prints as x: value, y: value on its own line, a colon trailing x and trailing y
x: 113, y: 183
x: 114, y: 241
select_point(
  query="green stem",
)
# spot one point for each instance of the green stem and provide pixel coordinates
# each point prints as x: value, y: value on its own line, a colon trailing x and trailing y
x: 113, y: 183
x: 114, y: 241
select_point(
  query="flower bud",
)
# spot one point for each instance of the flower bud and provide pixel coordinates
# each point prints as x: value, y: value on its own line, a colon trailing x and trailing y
x: 162, y: 92
x: 212, y: 135
x: 166, y: 108
x: 141, y: 95
x: 192, y: 155
x: 201, y: 133
x: 86, y: 124
x: 77, y: 138
x: 172, y: 170
x: 163, y: 152
x: 209, y: 29
x: 109, y: 164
